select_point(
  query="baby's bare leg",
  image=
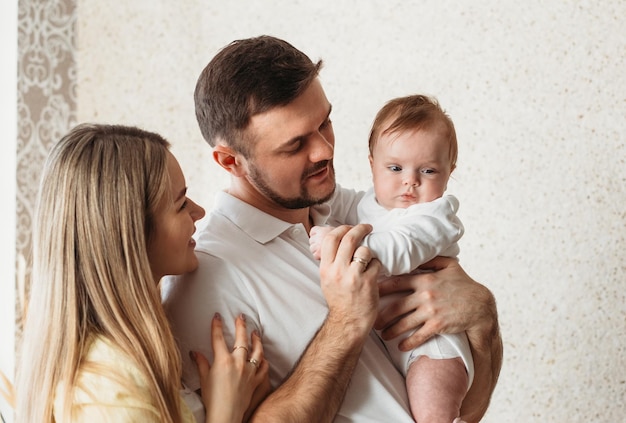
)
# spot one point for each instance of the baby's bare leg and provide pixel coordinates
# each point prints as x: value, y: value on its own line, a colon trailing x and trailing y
x: 436, y: 388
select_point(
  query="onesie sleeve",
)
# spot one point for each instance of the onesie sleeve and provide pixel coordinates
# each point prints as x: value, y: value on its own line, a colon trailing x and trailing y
x: 404, y: 239
x: 343, y: 206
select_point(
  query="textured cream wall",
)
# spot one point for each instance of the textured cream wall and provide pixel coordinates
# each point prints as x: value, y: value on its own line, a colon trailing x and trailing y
x: 538, y: 93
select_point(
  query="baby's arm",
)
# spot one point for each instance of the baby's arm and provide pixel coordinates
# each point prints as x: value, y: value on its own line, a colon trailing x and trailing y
x: 410, y: 237
x: 316, y: 237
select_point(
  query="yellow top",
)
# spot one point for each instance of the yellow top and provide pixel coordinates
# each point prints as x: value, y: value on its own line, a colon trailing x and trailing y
x: 110, y: 388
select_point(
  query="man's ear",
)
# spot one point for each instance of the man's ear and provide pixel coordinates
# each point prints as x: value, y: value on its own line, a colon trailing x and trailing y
x: 229, y: 159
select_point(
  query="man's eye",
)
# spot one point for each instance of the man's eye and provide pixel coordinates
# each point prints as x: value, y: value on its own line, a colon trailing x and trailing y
x: 326, y: 124
x: 294, y: 147
x: 184, y: 205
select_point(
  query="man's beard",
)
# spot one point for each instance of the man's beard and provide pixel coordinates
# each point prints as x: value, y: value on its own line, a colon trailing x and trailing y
x: 304, y: 200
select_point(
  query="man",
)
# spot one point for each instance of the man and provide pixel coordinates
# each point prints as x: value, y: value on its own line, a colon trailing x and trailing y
x: 261, y: 106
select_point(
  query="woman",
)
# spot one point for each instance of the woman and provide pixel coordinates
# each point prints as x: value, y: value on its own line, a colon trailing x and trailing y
x: 113, y: 219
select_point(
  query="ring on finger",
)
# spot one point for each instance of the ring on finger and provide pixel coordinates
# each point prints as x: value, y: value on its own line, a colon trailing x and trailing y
x: 360, y: 260
x: 240, y: 346
x: 254, y: 362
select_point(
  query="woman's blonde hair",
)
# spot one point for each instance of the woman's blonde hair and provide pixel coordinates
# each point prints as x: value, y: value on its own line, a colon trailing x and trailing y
x: 99, y: 191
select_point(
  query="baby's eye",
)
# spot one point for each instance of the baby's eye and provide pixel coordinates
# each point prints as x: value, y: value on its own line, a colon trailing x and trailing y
x: 429, y: 171
x: 394, y: 168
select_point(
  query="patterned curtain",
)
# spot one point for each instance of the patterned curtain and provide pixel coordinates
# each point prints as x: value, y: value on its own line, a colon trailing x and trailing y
x: 46, y: 104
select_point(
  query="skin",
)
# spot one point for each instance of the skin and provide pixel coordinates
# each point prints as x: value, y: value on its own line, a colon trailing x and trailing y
x: 441, y: 401
x: 410, y: 167
x: 448, y: 301
x: 292, y: 158
x: 171, y: 246
x: 232, y: 387
x: 292, y: 154
x: 230, y: 378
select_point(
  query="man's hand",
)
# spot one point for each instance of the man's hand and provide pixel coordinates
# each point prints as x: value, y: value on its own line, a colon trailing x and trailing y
x: 348, y: 278
x: 444, y: 301
x: 448, y: 301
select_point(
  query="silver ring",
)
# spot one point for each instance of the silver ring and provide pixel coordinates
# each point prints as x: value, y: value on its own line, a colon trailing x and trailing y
x: 240, y: 346
x: 254, y: 362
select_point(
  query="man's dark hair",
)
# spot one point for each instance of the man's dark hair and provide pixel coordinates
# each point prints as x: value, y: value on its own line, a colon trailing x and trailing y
x: 245, y: 78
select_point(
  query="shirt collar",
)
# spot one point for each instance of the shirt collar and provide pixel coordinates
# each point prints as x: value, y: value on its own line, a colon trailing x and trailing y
x: 259, y: 225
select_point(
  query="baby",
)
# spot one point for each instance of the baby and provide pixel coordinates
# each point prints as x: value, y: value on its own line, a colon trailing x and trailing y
x: 413, y: 151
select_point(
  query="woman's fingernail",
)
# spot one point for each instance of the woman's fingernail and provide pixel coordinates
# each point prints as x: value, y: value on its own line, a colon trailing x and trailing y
x: 217, y: 316
x: 256, y: 333
x: 243, y: 317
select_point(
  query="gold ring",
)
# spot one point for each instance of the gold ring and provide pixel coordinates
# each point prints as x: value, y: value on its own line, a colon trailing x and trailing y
x: 360, y: 260
x: 254, y: 362
x: 240, y: 346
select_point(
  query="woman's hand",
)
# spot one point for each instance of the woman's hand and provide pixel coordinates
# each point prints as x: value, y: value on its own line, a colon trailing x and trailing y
x: 237, y: 381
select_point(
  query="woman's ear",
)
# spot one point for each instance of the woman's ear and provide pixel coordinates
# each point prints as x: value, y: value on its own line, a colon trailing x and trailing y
x: 230, y: 160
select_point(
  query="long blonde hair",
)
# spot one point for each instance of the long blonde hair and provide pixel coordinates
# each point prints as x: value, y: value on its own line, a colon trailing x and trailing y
x: 100, y: 187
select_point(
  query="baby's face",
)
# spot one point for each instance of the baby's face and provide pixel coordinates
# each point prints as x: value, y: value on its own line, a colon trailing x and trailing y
x: 410, y: 167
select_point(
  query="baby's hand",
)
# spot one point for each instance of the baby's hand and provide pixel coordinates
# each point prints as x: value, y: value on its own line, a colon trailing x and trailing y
x: 316, y: 238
